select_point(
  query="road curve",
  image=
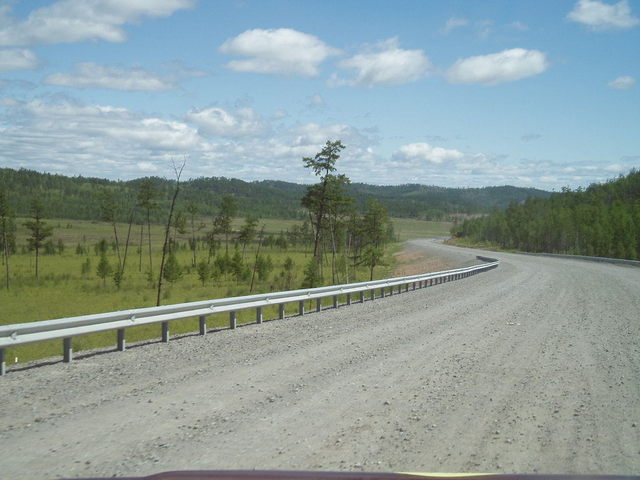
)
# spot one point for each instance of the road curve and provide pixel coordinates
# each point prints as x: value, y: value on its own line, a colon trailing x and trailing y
x: 530, y: 367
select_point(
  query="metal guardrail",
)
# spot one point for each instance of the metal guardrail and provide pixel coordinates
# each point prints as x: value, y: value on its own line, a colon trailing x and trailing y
x: 617, y: 261
x: 67, y: 328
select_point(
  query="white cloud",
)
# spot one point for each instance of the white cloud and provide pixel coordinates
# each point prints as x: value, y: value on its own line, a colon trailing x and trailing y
x: 622, y: 83
x: 385, y: 64
x: 218, y: 122
x: 427, y: 153
x: 602, y: 16
x: 17, y: 59
x: 80, y: 20
x: 277, y: 51
x: 496, y: 68
x: 453, y: 23
x: 97, y: 140
x: 88, y: 75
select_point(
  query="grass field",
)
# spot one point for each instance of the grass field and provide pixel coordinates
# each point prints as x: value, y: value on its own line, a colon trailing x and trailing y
x: 62, y: 290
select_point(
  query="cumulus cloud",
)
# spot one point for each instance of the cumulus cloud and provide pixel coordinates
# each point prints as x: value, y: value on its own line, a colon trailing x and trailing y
x: 315, y: 135
x: 496, y: 68
x: 217, y: 122
x: 602, y: 16
x: 17, y: 59
x: 98, y: 140
x: 277, y: 51
x: 427, y: 153
x: 68, y: 21
x: 622, y: 83
x: 385, y: 64
x: 88, y: 75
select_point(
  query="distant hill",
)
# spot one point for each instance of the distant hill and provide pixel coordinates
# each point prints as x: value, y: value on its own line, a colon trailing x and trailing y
x: 80, y: 197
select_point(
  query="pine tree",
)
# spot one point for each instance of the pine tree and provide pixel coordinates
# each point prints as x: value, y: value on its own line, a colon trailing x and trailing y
x: 40, y: 231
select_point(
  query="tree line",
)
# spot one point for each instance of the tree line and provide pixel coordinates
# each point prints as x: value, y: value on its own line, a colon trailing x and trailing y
x: 602, y: 220
x: 80, y: 197
x: 340, y: 239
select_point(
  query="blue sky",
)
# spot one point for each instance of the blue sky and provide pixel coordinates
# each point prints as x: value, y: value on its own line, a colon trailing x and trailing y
x: 539, y: 93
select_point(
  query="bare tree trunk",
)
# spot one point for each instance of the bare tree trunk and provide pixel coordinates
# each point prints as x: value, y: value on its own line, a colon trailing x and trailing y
x: 126, y: 245
x: 167, y: 231
x: 141, y: 236
x: 253, y: 275
x: 6, y: 254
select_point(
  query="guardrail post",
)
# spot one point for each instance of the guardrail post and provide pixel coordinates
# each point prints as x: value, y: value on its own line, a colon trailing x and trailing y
x: 258, y: 315
x: 233, y: 320
x: 67, y: 350
x: 318, y: 304
x: 348, y: 299
x: 362, y: 296
x: 373, y: 294
x: 335, y: 301
x: 301, y: 307
x: 165, y: 332
x: 3, y: 364
x: 281, y: 311
x: 122, y: 344
x: 202, y: 324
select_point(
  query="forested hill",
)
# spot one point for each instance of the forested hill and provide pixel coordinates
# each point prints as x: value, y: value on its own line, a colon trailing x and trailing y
x: 603, y: 220
x: 80, y: 197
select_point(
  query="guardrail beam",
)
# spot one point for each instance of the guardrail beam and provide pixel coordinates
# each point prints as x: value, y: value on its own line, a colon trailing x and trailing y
x: 66, y: 328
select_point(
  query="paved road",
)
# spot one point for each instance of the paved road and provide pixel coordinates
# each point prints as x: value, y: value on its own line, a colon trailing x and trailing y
x: 531, y: 367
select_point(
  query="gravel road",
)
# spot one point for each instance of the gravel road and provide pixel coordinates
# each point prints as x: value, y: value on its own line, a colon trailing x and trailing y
x: 530, y: 367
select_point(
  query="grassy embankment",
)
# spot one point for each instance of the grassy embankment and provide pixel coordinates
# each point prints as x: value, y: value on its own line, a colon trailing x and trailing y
x: 63, y: 291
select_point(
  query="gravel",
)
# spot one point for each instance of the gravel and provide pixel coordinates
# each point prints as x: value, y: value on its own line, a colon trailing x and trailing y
x: 533, y: 367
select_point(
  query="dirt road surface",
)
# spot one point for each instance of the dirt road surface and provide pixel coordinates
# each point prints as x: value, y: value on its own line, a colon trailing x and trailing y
x: 530, y: 367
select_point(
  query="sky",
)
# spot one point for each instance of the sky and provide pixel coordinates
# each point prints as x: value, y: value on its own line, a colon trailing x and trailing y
x: 462, y: 93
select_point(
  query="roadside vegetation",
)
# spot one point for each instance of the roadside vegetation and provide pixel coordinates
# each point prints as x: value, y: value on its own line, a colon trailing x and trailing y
x: 602, y: 220
x: 54, y: 268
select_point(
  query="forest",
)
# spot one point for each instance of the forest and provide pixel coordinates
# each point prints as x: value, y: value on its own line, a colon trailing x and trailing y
x: 602, y: 220
x: 79, y: 198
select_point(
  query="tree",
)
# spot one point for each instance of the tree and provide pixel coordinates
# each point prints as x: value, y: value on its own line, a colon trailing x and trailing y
x: 104, y: 268
x: 203, y: 271
x: 108, y: 209
x: 40, y: 231
x: 317, y: 198
x: 247, y: 232
x: 172, y: 270
x: 222, y: 222
x: 287, y: 274
x: 7, y: 233
x: 312, y: 275
x: 147, y: 194
x: 376, y: 231
x: 192, y: 210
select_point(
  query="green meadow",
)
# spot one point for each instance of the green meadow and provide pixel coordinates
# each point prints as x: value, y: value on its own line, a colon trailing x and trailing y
x: 68, y: 284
